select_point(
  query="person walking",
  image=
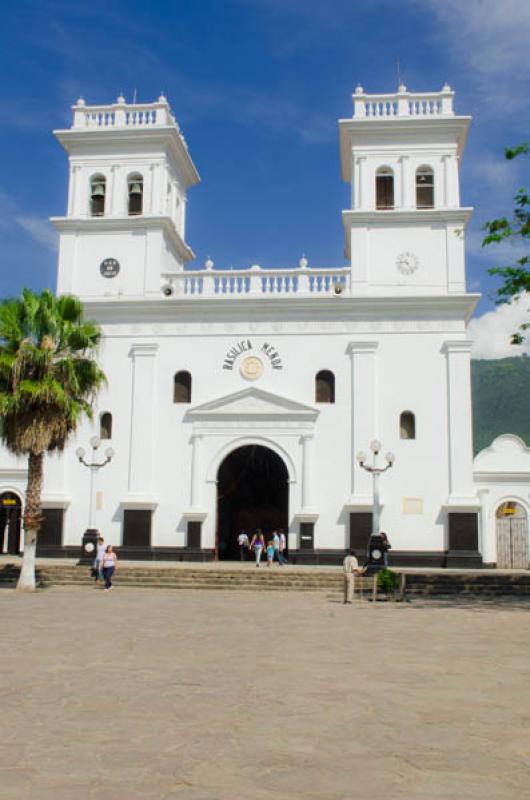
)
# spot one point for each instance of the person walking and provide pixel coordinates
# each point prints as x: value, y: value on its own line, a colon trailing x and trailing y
x: 270, y: 553
x: 283, y: 546
x: 244, y: 545
x: 110, y: 561
x: 351, y: 568
x: 100, y: 552
x: 257, y: 544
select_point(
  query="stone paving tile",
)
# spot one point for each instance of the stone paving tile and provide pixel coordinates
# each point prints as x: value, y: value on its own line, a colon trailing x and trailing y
x: 210, y: 695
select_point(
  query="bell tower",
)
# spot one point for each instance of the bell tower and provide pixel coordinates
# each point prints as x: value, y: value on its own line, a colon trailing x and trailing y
x: 130, y: 171
x: 404, y: 231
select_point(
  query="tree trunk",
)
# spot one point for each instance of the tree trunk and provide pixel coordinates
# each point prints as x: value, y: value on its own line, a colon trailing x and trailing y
x: 32, y: 518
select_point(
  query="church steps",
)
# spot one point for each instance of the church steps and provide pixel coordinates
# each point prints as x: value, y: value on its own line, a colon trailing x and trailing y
x: 424, y: 584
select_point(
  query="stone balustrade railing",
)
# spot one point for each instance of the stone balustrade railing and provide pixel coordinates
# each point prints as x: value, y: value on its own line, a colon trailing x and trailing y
x: 403, y: 104
x: 123, y: 115
x: 256, y: 282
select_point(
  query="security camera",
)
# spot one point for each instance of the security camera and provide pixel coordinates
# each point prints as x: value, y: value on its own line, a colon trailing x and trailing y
x: 167, y: 290
x: 338, y: 288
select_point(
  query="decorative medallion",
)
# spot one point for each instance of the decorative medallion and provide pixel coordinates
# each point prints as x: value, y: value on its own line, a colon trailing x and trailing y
x: 407, y: 263
x: 251, y: 368
x: 109, y: 267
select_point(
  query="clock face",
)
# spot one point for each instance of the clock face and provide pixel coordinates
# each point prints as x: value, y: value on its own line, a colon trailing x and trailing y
x: 407, y: 263
x: 109, y: 267
x: 251, y: 368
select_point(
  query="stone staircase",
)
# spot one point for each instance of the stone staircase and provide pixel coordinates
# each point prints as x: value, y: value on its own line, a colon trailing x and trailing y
x: 484, y: 584
x: 186, y: 578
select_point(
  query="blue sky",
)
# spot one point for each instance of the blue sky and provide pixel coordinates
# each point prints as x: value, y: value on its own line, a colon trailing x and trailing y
x: 257, y: 86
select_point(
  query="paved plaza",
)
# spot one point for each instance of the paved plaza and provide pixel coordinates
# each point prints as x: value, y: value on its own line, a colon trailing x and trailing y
x: 220, y: 695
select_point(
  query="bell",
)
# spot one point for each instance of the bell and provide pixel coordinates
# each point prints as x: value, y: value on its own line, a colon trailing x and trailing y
x: 98, y: 190
x: 135, y: 188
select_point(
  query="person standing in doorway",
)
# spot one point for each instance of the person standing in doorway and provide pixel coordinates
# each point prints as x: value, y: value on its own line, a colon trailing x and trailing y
x: 351, y: 569
x: 257, y: 544
x: 98, y: 563
x: 283, y: 546
x: 110, y: 561
x: 244, y: 545
x: 276, y: 545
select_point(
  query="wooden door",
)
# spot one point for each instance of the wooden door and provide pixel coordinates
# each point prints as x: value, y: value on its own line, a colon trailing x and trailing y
x: 512, y: 542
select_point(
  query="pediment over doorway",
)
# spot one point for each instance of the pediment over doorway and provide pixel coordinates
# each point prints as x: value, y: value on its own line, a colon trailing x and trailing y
x: 255, y: 404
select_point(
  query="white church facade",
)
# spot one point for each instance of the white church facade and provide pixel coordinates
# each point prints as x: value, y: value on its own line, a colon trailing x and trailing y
x: 240, y: 399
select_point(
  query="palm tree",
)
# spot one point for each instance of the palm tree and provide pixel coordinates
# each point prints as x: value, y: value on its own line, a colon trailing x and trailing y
x: 48, y: 380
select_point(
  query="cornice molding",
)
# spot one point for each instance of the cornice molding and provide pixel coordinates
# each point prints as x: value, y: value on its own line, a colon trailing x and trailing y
x: 415, y: 216
x: 282, y: 308
x: 143, y: 350
x: 95, y: 225
x: 354, y: 348
x: 457, y: 346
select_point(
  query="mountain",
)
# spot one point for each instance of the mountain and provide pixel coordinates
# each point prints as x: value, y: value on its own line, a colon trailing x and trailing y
x: 501, y: 399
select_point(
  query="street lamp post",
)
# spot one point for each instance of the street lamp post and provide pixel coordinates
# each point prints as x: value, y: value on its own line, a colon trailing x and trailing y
x: 90, y: 536
x: 376, y: 471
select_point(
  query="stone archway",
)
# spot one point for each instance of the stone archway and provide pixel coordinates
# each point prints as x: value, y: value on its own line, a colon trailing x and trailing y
x: 10, y: 523
x: 512, y: 536
x: 252, y: 492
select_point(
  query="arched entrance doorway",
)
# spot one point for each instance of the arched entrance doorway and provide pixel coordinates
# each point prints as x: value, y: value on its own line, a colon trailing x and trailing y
x: 512, y: 536
x: 252, y: 492
x: 10, y: 522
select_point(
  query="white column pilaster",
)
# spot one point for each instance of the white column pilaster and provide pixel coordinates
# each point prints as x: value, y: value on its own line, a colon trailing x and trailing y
x: 195, y: 441
x: 156, y: 189
x: 143, y: 358
x: 406, y: 186
x: 445, y: 185
x: 119, y: 191
x: 82, y: 194
x: 486, y: 532
x: 72, y: 191
x: 307, y: 471
x: 111, y: 191
x: 361, y: 199
x: 459, y: 421
x: 364, y: 413
x: 451, y: 189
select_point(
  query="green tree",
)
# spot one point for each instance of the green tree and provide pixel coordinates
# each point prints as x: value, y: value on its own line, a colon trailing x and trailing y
x: 516, y: 276
x: 48, y: 380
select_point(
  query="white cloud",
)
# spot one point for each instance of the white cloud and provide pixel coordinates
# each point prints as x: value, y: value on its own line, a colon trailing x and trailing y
x: 491, y: 333
x: 491, y: 36
x: 39, y: 229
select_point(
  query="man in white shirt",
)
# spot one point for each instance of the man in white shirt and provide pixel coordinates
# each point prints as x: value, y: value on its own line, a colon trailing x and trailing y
x: 351, y: 568
x: 243, y: 543
x: 98, y: 563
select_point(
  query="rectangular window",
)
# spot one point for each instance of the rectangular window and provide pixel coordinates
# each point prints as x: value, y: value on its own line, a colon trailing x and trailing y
x: 307, y: 535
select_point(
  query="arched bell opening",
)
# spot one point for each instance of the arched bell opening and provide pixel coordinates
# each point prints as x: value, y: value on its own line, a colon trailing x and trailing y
x: 10, y: 522
x: 252, y: 492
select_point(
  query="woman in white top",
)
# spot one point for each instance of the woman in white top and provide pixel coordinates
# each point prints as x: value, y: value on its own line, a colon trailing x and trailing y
x: 110, y: 561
